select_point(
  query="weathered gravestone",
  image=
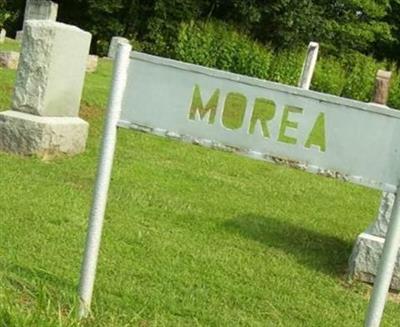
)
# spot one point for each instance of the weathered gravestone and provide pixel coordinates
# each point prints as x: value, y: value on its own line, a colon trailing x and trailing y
x: 40, y: 10
x: 315, y: 132
x: 91, y: 64
x: 3, y: 34
x: 44, y: 117
x: 115, y: 41
x: 18, y: 36
x: 9, y: 59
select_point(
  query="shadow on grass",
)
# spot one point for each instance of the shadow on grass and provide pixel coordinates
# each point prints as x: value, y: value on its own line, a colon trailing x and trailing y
x: 320, y: 252
x: 23, y: 278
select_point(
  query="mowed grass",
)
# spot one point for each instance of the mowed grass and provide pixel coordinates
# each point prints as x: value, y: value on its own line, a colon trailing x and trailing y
x: 192, y: 236
x: 10, y: 45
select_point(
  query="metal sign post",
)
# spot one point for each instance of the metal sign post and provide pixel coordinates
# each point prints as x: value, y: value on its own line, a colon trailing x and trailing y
x: 385, y: 270
x: 93, y: 240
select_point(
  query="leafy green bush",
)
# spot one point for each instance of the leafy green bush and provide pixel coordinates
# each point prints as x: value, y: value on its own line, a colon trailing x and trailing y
x: 394, y: 94
x: 329, y: 76
x: 218, y: 45
x: 360, y: 79
x: 286, y: 66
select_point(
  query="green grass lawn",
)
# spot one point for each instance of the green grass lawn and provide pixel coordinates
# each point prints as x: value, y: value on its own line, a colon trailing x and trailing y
x: 10, y: 45
x: 192, y: 236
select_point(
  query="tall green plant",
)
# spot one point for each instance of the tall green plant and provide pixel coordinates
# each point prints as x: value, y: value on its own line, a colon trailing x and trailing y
x: 219, y: 45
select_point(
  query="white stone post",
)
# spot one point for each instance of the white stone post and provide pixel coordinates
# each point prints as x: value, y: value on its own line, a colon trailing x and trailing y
x: 363, y: 263
x: 44, y: 117
x: 309, y: 66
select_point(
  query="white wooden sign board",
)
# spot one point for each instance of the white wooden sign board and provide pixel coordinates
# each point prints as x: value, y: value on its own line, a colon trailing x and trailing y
x: 320, y: 133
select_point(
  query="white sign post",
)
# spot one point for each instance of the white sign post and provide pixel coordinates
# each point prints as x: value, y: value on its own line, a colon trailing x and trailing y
x: 316, y: 132
x: 309, y: 65
x: 96, y: 220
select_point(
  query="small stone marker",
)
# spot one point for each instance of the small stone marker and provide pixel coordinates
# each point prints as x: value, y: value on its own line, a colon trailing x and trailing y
x: 18, y: 36
x: 91, y: 65
x: 9, y: 59
x: 3, y: 34
x: 382, y: 84
x: 363, y: 263
x: 44, y: 117
x: 114, y: 45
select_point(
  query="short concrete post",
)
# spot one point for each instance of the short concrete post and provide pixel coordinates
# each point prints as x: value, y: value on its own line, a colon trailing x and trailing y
x: 364, y: 260
x: 382, y: 84
x: 44, y: 116
x: 115, y: 41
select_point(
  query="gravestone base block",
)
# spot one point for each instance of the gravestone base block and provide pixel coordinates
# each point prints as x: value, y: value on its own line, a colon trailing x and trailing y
x: 364, y: 261
x: 27, y: 134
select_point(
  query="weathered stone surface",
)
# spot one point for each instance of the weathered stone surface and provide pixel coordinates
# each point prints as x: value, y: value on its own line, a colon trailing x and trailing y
x: 382, y: 86
x: 365, y: 258
x: 52, y: 69
x: 19, y: 35
x: 40, y: 9
x: 9, y: 59
x: 3, y: 34
x: 380, y: 225
x: 112, y: 51
x: 28, y: 134
x: 91, y: 65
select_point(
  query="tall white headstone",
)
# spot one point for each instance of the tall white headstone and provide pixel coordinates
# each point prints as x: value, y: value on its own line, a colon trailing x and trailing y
x: 44, y: 116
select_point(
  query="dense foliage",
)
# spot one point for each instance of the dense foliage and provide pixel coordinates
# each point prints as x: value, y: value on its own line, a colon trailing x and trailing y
x: 266, y: 39
x: 361, y: 25
x: 215, y: 45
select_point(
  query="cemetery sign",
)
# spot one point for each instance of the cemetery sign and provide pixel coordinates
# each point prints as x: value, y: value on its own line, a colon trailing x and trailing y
x: 316, y: 132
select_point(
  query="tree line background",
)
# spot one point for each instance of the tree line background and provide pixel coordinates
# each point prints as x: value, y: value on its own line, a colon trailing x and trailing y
x: 262, y: 38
